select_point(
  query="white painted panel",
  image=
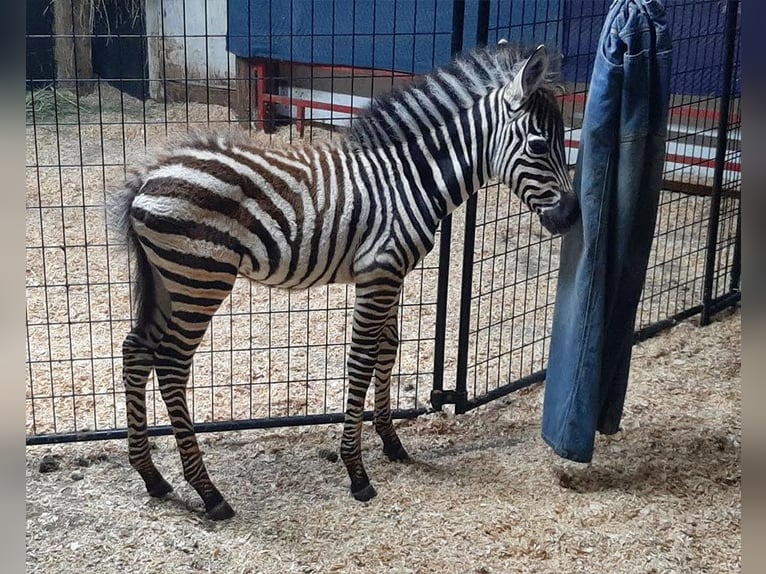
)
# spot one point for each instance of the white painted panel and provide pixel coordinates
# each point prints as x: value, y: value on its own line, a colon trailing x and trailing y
x: 187, y: 41
x: 323, y: 116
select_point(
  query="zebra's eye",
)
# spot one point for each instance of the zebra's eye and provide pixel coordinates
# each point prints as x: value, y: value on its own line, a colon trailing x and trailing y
x: 538, y: 146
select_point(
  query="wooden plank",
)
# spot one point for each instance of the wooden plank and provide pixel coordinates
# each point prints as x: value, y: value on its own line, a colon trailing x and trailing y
x: 245, y: 88
x: 74, y: 64
x: 179, y: 91
x: 699, y: 189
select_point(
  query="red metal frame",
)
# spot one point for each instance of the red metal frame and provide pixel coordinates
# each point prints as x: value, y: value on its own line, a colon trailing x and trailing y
x: 264, y: 97
x: 687, y: 111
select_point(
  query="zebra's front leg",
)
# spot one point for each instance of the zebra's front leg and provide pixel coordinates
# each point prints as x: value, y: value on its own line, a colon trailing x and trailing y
x: 371, y: 310
x: 387, y: 347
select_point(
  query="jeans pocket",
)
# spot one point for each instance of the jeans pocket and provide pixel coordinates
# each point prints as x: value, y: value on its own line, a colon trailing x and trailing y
x: 611, y: 49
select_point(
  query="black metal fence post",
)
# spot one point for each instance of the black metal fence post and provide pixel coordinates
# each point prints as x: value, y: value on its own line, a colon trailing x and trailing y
x: 736, y: 267
x: 466, y: 284
x: 727, y: 75
x: 445, y: 237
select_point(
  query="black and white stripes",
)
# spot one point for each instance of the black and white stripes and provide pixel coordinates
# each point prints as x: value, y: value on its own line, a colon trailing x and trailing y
x: 362, y: 211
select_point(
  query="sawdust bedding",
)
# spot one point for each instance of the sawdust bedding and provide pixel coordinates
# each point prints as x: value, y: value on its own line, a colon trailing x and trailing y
x: 484, y: 493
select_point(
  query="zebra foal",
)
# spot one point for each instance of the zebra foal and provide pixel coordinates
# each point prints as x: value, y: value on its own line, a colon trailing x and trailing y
x: 364, y: 210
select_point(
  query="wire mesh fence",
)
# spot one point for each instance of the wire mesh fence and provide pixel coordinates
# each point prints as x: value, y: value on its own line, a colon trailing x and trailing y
x: 109, y: 80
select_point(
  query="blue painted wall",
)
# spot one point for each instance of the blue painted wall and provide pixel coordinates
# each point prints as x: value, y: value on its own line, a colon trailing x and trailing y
x: 404, y: 35
x: 697, y: 27
x: 414, y: 36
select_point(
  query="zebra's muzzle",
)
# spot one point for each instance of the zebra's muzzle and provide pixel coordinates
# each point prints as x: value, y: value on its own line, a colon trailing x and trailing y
x: 560, y: 218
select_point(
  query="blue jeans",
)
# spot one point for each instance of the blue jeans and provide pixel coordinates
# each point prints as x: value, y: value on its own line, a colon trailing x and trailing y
x: 604, y: 257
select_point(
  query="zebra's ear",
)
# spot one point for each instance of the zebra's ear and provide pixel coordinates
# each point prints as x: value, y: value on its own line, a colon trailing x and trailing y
x: 529, y: 78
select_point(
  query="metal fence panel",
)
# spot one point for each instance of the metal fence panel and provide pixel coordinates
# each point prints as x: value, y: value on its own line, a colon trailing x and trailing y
x: 512, y: 281
x: 109, y: 80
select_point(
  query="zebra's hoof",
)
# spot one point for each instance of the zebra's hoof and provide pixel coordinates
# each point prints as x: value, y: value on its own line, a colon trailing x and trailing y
x: 365, y: 493
x: 396, y: 453
x: 159, y: 488
x: 221, y: 511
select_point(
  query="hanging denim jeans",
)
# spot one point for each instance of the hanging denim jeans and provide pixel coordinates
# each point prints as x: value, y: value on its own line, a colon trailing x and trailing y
x: 604, y: 257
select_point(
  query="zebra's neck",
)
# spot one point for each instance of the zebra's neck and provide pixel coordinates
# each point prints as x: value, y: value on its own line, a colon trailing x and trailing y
x: 450, y: 161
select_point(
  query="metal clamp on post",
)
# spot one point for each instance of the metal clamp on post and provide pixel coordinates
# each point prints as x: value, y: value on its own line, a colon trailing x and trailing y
x: 440, y: 397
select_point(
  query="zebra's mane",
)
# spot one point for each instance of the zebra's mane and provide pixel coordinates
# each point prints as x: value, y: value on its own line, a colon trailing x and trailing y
x: 456, y: 86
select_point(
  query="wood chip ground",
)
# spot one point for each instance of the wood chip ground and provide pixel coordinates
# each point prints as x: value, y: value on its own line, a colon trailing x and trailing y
x: 483, y: 495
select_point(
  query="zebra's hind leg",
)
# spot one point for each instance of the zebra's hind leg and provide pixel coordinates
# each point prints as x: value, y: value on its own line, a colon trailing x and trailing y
x: 388, y: 344
x: 138, y: 360
x: 371, y: 309
x: 172, y: 360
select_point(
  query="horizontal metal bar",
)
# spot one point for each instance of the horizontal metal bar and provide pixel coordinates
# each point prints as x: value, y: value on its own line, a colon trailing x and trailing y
x: 495, y: 394
x: 655, y: 328
x: 262, y: 423
x: 716, y: 305
x: 725, y: 301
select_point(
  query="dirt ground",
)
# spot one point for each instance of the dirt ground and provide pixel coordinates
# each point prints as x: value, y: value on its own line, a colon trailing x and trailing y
x: 484, y: 493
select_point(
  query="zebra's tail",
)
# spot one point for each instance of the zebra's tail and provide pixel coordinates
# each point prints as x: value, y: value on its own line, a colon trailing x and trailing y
x: 118, y: 218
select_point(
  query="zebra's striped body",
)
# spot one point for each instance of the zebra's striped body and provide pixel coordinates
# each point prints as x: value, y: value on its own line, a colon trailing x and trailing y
x: 363, y: 211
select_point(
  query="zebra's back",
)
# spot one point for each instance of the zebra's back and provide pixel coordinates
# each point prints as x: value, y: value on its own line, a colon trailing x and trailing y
x: 287, y: 217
